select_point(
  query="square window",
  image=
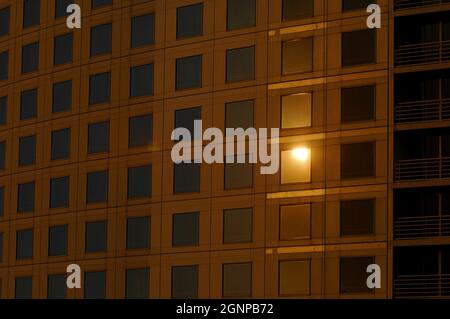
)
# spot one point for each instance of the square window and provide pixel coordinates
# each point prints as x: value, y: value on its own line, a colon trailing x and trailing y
x: 100, y: 3
x: 56, y: 285
x: 190, y: 21
x: 353, y: 274
x: 141, y: 80
x: 31, y: 13
x: 2, y: 155
x: 4, y: 65
x: 61, y: 7
x: 296, y: 110
x: 57, y: 240
x: 294, y: 278
x: 358, y: 160
x: 295, y: 222
x: 140, y: 130
x: 294, y: 9
x: 188, y: 72
x: 185, y: 282
x: 357, y: 217
x: 59, y: 192
x: 140, y: 182
x: 296, y: 166
x: 25, y: 197
x: 2, y: 201
x: 358, y: 104
x: 3, y: 109
x: 358, y: 47
x: 97, y: 187
x: 241, y: 14
x: 96, y: 237
x: 186, y: 178
x: 4, y: 21
x: 137, y: 283
x: 185, y: 118
x: 101, y: 39
x: 62, y: 50
x: 98, y: 137
x: 185, y: 229
x: 237, y: 280
x: 62, y: 96
x: 61, y: 144
x: 143, y: 30
x: 237, y: 225
x: 348, y: 5
x: 30, y: 57
x: 239, y: 114
x: 27, y: 150
x: 238, y: 175
x: 240, y: 64
x: 94, y: 285
x: 99, y: 88
x: 24, y: 244
x: 297, y: 56
x: 23, y: 287
x: 138, y: 233
x: 28, y: 104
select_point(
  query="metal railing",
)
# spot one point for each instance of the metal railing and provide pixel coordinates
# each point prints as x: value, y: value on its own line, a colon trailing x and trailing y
x: 408, y: 286
x: 424, y: 226
x: 404, y: 4
x: 422, y: 111
x: 419, y: 169
x: 422, y: 53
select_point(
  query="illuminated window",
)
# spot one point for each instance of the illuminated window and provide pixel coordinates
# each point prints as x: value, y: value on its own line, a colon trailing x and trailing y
x: 296, y: 166
x: 296, y: 110
x: 294, y: 277
x: 295, y: 222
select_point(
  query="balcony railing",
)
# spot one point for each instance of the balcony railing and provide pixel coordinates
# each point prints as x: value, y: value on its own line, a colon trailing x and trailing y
x: 419, y: 169
x: 421, y: 286
x: 404, y: 4
x: 425, y: 226
x: 422, y: 111
x: 422, y: 53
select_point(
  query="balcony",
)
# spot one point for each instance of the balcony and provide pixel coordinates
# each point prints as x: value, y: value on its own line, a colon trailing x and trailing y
x: 422, y: 111
x: 406, y: 4
x: 420, y: 169
x: 422, y: 53
x: 423, y: 226
x: 410, y: 286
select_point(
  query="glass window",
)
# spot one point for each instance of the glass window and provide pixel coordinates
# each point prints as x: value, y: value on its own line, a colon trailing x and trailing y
x: 238, y: 175
x: 189, y: 72
x: 237, y: 225
x: 353, y: 274
x: 25, y: 200
x: 30, y: 57
x: 185, y: 229
x: 62, y: 96
x: 4, y: 65
x: 101, y: 39
x: 27, y: 150
x: 2, y: 201
x: 185, y: 282
x: 57, y: 240
x: 295, y: 222
x: 358, y: 104
x: 296, y: 110
x: 99, y: 3
x: 1, y: 247
x: 28, y: 104
x: 56, y: 285
x: 186, y: 178
x: 61, y: 144
x: 239, y: 114
x: 62, y: 50
x: 96, y: 237
x: 294, y: 278
x: 237, y: 280
x: 138, y: 232
x: 100, y: 88
x: 296, y: 166
x: 97, y: 187
x: 23, y: 287
x: 142, y: 30
x: 3, y: 109
x: 294, y: 9
x: 185, y: 118
x: 140, y: 130
x: 357, y: 217
x: 98, y: 137
x: 59, y: 192
x: 94, y: 285
x: 241, y: 14
x: 4, y: 21
x: 241, y: 64
x: 137, y: 283
x: 141, y: 80
x: 61, y: 7
x: 31, y: 13
x: 140, y: 182
x: 2, y: 154
x: 297, y: 56
x: 358, y: 47
x: 190, y: 21
x: 24, y: 244
x: 358, y: 160
x: 348, y: 5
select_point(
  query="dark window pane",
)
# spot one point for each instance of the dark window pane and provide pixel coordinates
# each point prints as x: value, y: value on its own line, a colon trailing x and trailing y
x: 185, y: 229
x: 237, y: 225
x: 298, y: 56
x: 357, y: 217
x: 357, y: 160
x: 3, y: 109
x: 237, y: 280
x: 95, y: 285
x: 1, y: 247
x: 140, y: 130
x: 57, y: 240
x: 356, y: 4
x: 295, y: 9
x: 2, y: 201
x: 24, y: 244
x: 295, y: 222
x: 62, y: 51
x: 140, y: 182
x: 30, y: 57
x: 25, y: 199
x: 56, y: 285
x: 97, y: 187
x: 23, y: 288
x: 358, y: 104
x: 358, y: 47
x: 31, y: 13
x: 99, y: 88
x: 99, y: 3
x: 238, y: 175
x: 62, y: 96
x: 101, y: 39
x: 141, y: 80
x: 59, y: 192
x: 190, y: 20
x: 353, y: 275
x: 28, y: 104
x: 138, y: 233
x: 4, y: 21
x: 185, y: 282
x: 239, y: 114
x: 2, y: 155
x: 27, y: 150
x: 143, y: 30
x: 61, y: 144
x: 189, y: 72
x: 185, y: 118
x: 137, y: 283
x: 186, y: 178
x: 96, y: 237
x: 98, y: 137
x: 241, y: 14
x: 61, y: 7
x: 4, y: 65
x: 241, y: 64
